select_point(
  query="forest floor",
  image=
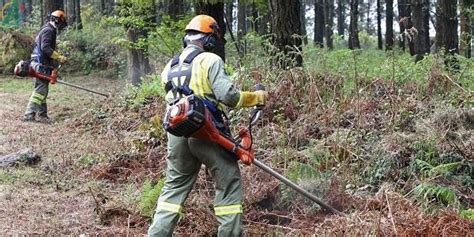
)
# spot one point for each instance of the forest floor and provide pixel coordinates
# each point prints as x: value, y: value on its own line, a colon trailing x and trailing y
x: 97, y: 154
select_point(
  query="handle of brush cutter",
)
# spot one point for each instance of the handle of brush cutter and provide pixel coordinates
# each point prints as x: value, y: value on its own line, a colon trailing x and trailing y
x: 258, y: 109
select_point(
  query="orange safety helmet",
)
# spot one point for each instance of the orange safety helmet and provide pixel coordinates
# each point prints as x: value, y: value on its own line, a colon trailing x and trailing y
x: 59, y: 14
x: 204, y: 24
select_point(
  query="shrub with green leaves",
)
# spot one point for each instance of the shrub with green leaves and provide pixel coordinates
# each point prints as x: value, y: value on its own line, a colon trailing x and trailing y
x: 149, y: 90
x: 148, y: 196
x: 91, y: 49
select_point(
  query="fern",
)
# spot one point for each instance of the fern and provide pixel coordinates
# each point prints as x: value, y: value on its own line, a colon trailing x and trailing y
x: 149, y: 196
x: 424, y: 166
x: 444, y: 169
x: 430, y: 171
x: 301, y: 171
x: 467, y: 214
x: 428, y: 191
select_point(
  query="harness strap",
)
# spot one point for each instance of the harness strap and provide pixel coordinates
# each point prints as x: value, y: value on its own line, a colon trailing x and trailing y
x: 184, y: 72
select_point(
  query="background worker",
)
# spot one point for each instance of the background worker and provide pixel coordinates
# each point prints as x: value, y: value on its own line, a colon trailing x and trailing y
x: 42, y: 61
x: 201, y: 72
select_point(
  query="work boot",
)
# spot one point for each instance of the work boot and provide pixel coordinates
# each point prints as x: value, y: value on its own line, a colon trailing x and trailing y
x: 44, y: 119
x: 28, y: 118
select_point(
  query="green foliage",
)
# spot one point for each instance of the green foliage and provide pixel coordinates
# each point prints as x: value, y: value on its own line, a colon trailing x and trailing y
x: 91, y: 49
x: 138, y: 18
x: 150, y: 89
x: 467, y: 214
x: 166, y: 39
x: 91, y: 159
x: 428, y: 192
x: 148, y: 197
x: 426, y: 150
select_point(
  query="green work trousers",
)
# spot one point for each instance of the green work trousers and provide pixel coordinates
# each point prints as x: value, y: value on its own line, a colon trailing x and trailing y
x: 184, y: 160
x: 37, y: 104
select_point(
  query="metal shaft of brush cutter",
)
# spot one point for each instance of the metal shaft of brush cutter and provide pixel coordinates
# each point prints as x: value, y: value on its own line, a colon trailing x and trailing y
x: 78, y: 87
x: 81, y: 88
x: 285, y: 180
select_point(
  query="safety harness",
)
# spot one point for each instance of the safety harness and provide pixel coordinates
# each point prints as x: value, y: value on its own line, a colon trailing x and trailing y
x: 177, y: 71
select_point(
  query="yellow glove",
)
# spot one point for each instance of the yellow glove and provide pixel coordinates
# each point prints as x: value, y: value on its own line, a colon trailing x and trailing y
x: 249, y: 99
x: 58, y: 57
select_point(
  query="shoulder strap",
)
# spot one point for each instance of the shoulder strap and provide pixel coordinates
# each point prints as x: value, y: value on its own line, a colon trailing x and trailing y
x: 182, y: 71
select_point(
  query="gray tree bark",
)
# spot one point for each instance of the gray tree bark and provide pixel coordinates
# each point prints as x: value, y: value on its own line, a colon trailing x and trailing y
x: 447, y: 25
x: 285, y: 24
x: 341, y: 17
x: 405, y: 23
x: 389, y: 37
x: 328, y: 19
x: 319, y: 23
x: 421, y: 22
x: 379, y: 25
x: 216, y: 10
x: 26, y: 156
x: 466, y: 26
x: 49, y: 6
x: 354, y: 42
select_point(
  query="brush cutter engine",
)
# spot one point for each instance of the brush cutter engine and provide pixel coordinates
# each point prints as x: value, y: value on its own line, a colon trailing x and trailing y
x: 185, y: 117
x: 189, y: 117
x: 24, y: 69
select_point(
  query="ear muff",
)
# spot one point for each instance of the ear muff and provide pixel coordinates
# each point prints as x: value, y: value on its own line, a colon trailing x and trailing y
x: 209, y: 42
x: 185, y: 42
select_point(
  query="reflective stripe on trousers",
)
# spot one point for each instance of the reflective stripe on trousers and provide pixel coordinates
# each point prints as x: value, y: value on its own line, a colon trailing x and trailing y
x: 166, y: 206
x: 37, y: 98
x: 228, y: 210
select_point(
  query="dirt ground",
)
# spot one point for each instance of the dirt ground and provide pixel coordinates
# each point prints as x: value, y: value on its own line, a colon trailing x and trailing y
x: 55, y: 196
x: 93, y: 164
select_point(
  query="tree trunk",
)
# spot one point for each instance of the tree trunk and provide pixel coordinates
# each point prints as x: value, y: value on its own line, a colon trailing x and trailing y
x: 71, y: 12
x: 379, y: 25
x: 368, y: 20
x: 216, y: 10
x: 256, y: 18
x: 264, y: 23
x: 134, y: 58
x: 406, y: 24
x: 42, y: 16
x: 319, y: 22
x: 26, y: 156
x: 229, y: 13
x: 28, y: 7
x: 303, y: 22
x: 389, y: 41
x: 353, y: 30
x: 421, y: 22
x: 285, y: 24
x: 77, y: 12
x: 465, y: 43
x: 103, y: 9
x: 329, y: 14
x: 446, y: 34
x: 175, y: 9
x: 341, y: 17
x: 50, y: 6
x: 242, y: 25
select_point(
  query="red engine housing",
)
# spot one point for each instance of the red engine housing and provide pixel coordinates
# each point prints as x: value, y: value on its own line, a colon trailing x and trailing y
x: 189, y: 117
x: 23, y: 69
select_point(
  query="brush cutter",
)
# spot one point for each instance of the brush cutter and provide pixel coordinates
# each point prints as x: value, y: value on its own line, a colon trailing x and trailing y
x: 189, y: 117
x: 23, y: 69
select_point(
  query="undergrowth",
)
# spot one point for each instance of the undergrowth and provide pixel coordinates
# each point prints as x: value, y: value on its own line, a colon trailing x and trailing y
x: 148, y: 196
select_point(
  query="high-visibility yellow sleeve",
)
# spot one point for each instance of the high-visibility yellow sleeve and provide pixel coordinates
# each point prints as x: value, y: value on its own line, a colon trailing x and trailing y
x: 249, y: 99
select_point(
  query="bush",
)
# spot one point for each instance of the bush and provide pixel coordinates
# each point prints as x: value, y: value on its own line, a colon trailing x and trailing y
x: 149, y: 196
x: 92, y: 49
x: 150, y: 89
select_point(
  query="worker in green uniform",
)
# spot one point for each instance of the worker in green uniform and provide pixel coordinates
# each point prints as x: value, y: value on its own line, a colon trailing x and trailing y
x: 42, y: 61
x: 199, y: 71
